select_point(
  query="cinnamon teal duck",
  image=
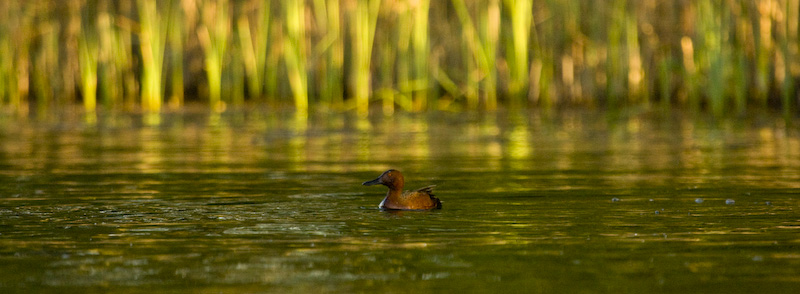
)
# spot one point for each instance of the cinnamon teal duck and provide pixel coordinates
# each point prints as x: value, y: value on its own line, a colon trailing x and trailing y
x: 397, y: 199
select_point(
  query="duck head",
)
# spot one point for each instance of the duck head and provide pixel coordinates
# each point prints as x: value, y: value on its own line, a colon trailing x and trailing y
x: 390, y: 178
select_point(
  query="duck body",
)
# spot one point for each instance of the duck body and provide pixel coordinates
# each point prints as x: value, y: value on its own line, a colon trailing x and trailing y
x: 397, y: 199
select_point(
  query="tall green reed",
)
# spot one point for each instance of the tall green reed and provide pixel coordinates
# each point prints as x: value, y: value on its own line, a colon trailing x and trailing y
x: 789, y: 95
x: 411, y: 48
x: 420, y: 44
x: 542, y: 73
x: 295, y: 52
x: 88, y: 46
x: 175, y: 46
x: 8, y: 11
x: 255, y: 45
x: 108, y: 86
x: 234, y: 77
x: 213, y: 34
x: 521, y: 18
x: 329, y: 50
x: 637, y: 87
x: 45, y: 58
x: 481, y: 43
x: 616, y: 67
x: 385, y: 90
x: 363, y: 22
x: 713, y: 53
x: 154, y: 20
x: 396, y: 58
x: 764, y: 45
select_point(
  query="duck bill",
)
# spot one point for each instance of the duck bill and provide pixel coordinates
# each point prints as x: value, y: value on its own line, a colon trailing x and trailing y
x: 373, y: 182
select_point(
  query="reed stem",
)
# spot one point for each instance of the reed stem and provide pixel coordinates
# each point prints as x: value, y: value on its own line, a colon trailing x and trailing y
x: 482, y: 49
x: 152, y: 41
x: 213, y: 34
x: 420, y: 45
x: 518, y: 61
x: 88, y: 48
x: 296, y: 53
x: 363, y: 25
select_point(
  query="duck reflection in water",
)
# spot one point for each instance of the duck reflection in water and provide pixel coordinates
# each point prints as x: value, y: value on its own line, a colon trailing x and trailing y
x: 397, y: 199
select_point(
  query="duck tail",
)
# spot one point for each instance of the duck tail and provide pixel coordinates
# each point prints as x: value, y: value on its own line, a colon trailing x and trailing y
x: 437, y: 201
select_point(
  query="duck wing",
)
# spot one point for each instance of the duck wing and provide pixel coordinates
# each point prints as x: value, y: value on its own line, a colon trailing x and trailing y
x: 429, y: 191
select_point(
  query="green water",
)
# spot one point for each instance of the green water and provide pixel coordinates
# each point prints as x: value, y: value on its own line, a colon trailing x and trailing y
x: 251, y: 201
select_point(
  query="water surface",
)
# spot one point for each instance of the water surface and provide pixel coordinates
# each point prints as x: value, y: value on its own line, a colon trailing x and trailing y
x: 255, y: 201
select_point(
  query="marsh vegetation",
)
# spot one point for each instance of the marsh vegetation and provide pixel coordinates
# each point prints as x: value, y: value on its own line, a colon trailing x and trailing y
x: 412, y: 55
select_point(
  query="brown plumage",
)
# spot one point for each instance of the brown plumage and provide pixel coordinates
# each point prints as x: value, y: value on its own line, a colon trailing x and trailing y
x: 396, y: 198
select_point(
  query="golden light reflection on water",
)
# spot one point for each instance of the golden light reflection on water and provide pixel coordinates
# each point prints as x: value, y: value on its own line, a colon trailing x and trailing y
x: 513, y: 141
x: 519, y: 137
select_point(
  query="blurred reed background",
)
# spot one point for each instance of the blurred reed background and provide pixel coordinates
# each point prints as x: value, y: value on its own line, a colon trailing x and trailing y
x: 707, y: 55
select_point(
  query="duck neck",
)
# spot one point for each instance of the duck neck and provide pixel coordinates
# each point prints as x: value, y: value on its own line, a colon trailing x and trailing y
x: 394, y: 194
